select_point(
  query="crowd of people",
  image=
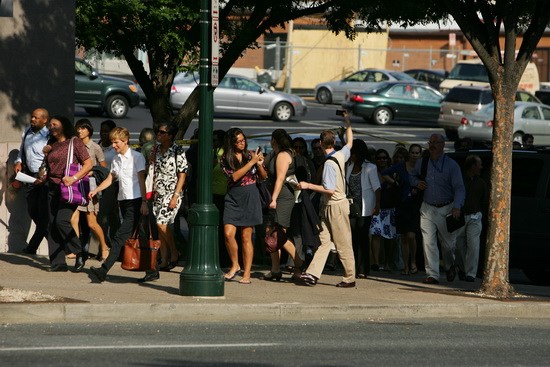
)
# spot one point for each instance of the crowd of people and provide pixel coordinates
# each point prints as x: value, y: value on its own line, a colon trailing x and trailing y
x: 368, y: 207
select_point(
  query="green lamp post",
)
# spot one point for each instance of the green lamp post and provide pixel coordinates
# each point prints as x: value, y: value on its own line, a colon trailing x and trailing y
x: 202, y: 275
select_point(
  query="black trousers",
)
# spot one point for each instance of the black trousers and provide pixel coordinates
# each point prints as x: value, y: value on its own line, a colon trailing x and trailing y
x: 62, y: 238
x: 37, y: 196
x: 360, y: 241
x: 130, y: 210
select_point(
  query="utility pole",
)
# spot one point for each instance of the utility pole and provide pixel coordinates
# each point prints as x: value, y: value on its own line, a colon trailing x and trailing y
x: 202, y: 275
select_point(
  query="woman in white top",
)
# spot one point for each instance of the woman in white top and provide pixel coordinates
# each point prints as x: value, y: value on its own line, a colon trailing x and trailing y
x: 364, y: 187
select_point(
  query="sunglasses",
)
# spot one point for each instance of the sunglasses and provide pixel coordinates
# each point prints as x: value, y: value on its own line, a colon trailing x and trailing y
x: 162, y: 132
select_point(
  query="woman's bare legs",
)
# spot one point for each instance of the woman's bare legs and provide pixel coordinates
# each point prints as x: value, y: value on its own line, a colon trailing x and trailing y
x: 91, y: 217
x: 167, y: 245
x: 375, y: 251
x: 229, y: 232
x: 248, y: 253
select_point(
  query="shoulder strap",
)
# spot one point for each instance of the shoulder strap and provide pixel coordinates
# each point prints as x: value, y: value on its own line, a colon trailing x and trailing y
x: 424, y: 168
x: 339, y: 167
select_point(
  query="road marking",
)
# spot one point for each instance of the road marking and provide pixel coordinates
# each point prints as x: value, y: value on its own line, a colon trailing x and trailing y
x: 148, y: 346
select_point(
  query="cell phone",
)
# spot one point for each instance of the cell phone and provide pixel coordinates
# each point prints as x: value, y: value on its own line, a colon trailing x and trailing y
x: 340, y: 112
x: 258, y: 150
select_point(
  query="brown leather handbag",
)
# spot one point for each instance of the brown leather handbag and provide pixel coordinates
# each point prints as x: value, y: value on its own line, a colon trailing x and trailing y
x: 140, y: 254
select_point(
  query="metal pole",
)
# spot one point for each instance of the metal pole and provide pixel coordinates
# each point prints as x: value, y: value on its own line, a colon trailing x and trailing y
x: 202, y: 275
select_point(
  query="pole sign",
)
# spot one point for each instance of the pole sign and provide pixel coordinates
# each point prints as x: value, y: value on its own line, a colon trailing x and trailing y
x: 215, y: 46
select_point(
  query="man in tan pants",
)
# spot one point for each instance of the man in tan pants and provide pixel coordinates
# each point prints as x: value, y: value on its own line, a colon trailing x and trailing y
x: 334, y: 210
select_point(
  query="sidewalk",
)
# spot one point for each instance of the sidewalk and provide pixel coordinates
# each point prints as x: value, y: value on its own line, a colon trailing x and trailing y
x: 30, y: 294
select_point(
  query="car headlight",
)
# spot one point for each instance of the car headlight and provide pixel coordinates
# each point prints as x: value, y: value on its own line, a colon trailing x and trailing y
x: 133, y: 88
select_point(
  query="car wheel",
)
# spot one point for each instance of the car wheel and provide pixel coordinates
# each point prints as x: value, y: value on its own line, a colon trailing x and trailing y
x: 518, y: 136
x: 117, y: 106
x: 93, y: 111
x: 282, y: 111
x: 451, y: 134
x: 382, y: 116
x: 324, y: 96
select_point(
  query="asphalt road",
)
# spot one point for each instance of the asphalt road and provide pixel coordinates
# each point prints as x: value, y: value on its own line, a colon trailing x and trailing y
x: 318, y: 118
x: 429, y: 342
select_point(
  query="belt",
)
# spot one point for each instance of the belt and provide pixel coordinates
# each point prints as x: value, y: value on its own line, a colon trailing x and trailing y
x: 440, y: 205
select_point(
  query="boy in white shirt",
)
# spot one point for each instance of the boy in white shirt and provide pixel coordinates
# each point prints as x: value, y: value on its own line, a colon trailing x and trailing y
x: 128, y: 168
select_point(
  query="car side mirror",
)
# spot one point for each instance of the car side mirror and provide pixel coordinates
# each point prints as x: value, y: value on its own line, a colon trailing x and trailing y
x: 94, y: 75
x: 262, y: 90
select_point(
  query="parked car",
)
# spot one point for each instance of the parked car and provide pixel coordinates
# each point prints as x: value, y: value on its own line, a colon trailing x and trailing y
x: 100, y: 93
x: 335, y: 91
x: 239, y: 95
x: 529, y: 118
x: 432, y: 77
x: 473, y: 72
x: 530, y: 210
x: 464, y: 99
x: 395, y: 100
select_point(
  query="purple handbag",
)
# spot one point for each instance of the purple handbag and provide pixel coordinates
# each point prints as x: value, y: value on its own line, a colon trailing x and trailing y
x: 77, y: 193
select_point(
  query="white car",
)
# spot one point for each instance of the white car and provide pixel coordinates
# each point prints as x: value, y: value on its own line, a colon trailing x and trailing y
x: 529, y: 118
x: 335, y: 92
x: 239, y: 95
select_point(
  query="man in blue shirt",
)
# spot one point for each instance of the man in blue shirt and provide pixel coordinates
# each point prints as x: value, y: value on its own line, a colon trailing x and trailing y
x: 444, y: 195
x: 29, y: 159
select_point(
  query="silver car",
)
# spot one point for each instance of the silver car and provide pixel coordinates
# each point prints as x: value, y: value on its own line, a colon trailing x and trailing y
x: 239, y: 95
x: 529, y: 118
x: 335, y: 92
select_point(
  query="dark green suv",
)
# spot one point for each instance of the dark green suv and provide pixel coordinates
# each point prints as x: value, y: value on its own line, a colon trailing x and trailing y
x: 99, y: 93
x: 530, y: 210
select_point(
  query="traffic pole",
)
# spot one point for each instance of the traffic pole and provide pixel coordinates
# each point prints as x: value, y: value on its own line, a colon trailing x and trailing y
x: 202, y: 275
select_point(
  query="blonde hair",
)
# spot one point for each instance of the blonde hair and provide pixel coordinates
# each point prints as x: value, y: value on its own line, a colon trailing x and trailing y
x: 120, y: 133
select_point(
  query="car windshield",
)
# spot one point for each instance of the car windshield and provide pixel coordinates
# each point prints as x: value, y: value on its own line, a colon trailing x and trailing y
x: 402, y: 76
x: 469, y: 96
x: 474, y: 72
x: 186, y: 78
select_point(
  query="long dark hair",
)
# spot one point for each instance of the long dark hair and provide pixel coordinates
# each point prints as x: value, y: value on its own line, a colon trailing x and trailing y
x: 360, y: 149
x: 229, y: 148
x: 283, y: 140
x: 68, y: 127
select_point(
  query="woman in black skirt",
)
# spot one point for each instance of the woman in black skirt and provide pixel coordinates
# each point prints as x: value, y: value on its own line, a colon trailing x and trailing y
x: 242, y: 207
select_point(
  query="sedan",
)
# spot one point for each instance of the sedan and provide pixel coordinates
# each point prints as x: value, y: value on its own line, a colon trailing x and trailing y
x: 529, y: 118
x: 395, y: 100
x: 336, y: 91
x: 432, y: 77
x: 239, y: 95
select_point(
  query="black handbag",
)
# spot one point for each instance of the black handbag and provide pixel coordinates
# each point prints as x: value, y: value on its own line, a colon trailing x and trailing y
x: 265, y: 195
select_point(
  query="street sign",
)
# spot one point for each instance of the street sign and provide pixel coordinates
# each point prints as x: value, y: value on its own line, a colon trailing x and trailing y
x: 215, y: 45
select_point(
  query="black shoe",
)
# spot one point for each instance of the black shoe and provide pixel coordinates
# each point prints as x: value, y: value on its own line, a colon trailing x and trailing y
x: 451, y: 273
x: 28, y: 251
x: 470, y: 279
x: 346, y: 285
x: 430, y: 280
x: 79, y: 263
x: 58, y: 267
x: 99, y: 273
x: 149, y: 276
x: 308, y: 279
x: 461, y: 275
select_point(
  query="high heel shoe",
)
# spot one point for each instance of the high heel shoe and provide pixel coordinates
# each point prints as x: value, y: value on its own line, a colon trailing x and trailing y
x: 274, y: 276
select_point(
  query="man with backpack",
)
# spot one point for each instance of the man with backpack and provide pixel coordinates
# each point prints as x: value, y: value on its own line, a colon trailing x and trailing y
x: 334, y: 210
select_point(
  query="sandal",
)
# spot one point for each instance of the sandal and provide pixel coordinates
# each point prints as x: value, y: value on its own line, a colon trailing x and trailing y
x: 245, y: 281
x: 231, y: 275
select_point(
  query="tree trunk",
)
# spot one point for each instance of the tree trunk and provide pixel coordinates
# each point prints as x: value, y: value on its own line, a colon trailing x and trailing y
x: 495, y: 278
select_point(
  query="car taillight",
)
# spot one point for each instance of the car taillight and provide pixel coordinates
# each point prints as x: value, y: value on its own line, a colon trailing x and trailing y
x: 464, y: 121
x: 174, y: 89
x: 357, y: 98
x: 490, y: 123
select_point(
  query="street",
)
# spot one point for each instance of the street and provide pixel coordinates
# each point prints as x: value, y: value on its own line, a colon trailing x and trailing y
x: 426, y: 342
x: 318, y: 118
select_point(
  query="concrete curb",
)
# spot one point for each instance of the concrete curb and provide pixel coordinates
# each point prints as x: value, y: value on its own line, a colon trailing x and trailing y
x: 169, y: 312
